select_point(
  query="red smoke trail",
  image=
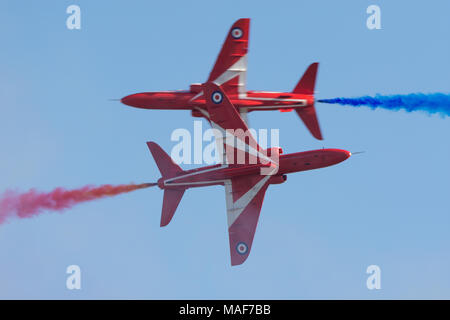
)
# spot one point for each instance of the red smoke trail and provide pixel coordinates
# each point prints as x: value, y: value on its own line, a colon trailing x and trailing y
x: 31, y: 203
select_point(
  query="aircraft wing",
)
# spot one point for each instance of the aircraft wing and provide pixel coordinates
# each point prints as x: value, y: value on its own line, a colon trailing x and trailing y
x: 234, y: 139
x: 230, y: 69
x: 244, y: 198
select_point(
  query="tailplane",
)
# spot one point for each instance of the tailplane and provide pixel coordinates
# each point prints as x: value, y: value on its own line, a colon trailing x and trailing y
x: 309, y: 118
x: 308, y: 114
x: 172, y: 198
x: 168, y: 169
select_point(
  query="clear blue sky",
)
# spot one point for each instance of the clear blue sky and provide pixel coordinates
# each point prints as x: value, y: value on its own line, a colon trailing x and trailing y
x: 317, y: 233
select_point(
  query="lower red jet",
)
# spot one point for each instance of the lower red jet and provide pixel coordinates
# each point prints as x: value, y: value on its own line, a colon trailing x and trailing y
x: 230, y: 72
x: 245, y: 183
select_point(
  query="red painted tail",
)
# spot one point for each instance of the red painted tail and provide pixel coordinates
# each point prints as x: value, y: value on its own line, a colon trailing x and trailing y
x: 166, y: 166
x: 307, y: 83
x: 168, y: 169
x: 308, y: 114
x: 172, y: 198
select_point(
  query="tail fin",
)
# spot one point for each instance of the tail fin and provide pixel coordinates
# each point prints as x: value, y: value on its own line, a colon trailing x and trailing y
x: 308, y: 114
x: 308, y: 81
x: 168, y: 169
x: 165, y: 164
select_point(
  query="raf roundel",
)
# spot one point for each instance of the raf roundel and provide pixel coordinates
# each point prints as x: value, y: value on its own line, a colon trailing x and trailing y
x: 241, y: 248
x: 237, y: 33
x: 217, y: 97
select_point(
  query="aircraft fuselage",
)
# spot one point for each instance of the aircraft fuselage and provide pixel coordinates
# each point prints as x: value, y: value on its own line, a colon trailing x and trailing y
x: 191, y: 100
x: 288, y: 163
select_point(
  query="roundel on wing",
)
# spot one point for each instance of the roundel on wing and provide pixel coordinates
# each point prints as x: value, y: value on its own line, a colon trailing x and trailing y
x: 237, y: 33
x: 217, y: 97
x: 241, y: 248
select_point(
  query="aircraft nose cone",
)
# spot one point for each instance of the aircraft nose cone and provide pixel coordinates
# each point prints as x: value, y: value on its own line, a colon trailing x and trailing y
x: 129, y: 100
x: 139, y: 100
x: 341, y: 155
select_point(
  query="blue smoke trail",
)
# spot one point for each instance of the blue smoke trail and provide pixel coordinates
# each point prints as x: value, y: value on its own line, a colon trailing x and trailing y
x: 430, y: 103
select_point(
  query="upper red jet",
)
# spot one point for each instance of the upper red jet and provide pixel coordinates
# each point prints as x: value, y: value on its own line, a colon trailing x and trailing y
x: 230, y: 72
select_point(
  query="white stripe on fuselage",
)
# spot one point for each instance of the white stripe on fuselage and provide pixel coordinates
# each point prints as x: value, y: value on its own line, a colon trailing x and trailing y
x: 303, y: 101
x: 292, y: 106
x: 197, y: 183
x: 190, y: 175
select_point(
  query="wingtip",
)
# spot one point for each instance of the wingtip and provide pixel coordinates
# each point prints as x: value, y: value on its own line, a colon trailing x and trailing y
x: 237, y: 262
x: 163, y: 224
x: 318, y: 135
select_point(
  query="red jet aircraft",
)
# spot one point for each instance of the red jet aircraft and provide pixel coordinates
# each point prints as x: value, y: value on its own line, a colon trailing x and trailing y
x: 230, y: 72
x: 245, y: 184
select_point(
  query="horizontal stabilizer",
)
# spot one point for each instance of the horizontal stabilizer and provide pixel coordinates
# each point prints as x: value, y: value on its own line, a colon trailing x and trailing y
x: 172, y: 198
x: 309, y: 118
